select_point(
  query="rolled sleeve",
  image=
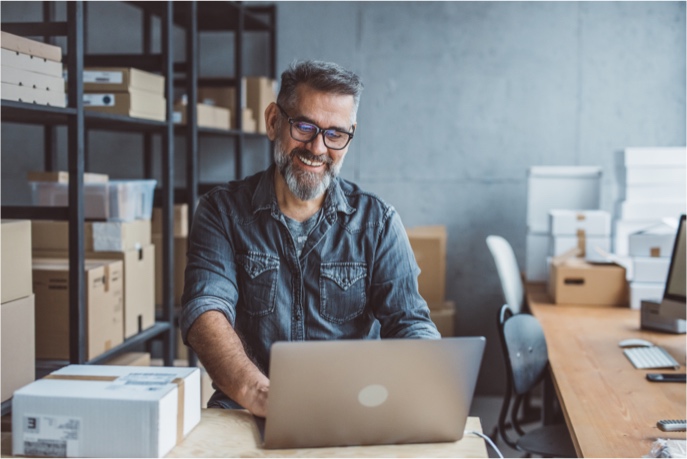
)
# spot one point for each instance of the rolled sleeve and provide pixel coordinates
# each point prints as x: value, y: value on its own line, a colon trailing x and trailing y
x: 210, y: 276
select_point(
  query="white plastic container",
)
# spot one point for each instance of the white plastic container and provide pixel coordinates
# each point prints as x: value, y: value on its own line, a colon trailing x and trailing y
x: 131, y: 199
x: 54, y: 194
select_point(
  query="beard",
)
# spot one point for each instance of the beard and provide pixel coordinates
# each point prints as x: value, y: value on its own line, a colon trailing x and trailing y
x: 305, y: 185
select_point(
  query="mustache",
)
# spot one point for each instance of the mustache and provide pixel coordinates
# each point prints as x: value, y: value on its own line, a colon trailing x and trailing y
x: 311, y: 157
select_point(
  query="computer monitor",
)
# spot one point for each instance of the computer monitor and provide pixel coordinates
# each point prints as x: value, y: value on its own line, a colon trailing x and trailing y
x: 673, y: 304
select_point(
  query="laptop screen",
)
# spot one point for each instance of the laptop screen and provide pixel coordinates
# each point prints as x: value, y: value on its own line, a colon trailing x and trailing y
x: 675, y: 286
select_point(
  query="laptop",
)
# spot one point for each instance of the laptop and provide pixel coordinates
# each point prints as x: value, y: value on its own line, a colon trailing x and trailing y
x: 370, y: 392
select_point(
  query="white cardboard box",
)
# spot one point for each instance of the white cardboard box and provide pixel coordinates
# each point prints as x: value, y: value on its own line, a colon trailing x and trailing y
x: 656, y: 156
x: 537, y: 247
x: 645, y: 291
x: 650, y: 269
x: 561, y: 244
x: 652, y: 210
x: 644, y: 175
x: 560, y: 187
x: 652, y: 242
x: 106, y: 411
x: 652, y: 191
x: 622, y: 231
x: 571, y: 222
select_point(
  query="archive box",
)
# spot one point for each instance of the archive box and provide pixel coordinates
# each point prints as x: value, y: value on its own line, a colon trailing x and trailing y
x: 106, y: 411
x: 18, y: 344
x: 15, y: 257
x: 576, y: 281
x: 429, y: 247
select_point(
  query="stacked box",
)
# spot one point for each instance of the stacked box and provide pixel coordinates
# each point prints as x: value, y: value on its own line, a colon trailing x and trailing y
x: 651, y: 187
x: 586, y: 230
x: 125, y: 91
x: 17, y: 308
x: 128, y: 242
x: 258, y: 93
x: 106, y: 411
x: 549, y: 188
x: 104, y: 307
x: 31, y: 71
x: 576, y: 281
x: 207, y: 116
x: 180, y: 246
x: 650, y: 250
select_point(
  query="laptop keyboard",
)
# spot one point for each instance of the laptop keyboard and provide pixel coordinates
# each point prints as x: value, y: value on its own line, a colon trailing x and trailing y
x: 650, y: 357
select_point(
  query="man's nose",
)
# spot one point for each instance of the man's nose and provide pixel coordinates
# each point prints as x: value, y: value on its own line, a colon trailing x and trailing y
x: 317, y: 146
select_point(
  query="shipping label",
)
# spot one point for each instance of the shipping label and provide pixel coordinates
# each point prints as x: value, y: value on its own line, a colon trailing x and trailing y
x: 142, y: 381
x: 98, y: 100
x: 46, y: 435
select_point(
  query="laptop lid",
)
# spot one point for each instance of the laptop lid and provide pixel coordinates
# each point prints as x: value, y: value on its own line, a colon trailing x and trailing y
x: 673, y: 304
x: 369, y: 392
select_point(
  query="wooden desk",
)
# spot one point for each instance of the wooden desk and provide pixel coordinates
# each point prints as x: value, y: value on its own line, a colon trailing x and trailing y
x: 610, y: 408
x: 232, y: 433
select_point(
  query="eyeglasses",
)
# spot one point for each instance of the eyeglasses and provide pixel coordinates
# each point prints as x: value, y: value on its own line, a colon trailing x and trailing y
x: 302, y: 131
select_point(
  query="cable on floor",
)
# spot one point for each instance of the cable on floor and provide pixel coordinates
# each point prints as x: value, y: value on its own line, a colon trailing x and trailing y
x: 487, y: 439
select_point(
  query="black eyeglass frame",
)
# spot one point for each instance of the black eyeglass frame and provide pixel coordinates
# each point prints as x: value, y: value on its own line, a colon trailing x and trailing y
x: 318, y: 131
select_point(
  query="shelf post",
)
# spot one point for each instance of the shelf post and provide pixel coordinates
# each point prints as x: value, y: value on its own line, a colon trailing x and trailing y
x: 76, y: 134
x: 238, y: 65
x: 168, y: 341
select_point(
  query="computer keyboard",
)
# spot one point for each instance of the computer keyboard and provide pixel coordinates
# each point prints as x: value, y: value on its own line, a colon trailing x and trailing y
x: 650, y: 357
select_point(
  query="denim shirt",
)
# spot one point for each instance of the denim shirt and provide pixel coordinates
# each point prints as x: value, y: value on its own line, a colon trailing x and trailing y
x: 356, y: 277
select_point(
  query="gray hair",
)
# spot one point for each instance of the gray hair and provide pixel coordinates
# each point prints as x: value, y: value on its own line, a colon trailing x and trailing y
x: 322, y: 76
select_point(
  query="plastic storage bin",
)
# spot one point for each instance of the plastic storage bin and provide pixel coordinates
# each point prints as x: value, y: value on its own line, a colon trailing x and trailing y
x: 116, y: 200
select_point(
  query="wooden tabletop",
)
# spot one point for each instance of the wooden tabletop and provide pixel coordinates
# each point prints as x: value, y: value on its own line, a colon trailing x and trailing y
x: 233, y: 433
x: 609, y: 406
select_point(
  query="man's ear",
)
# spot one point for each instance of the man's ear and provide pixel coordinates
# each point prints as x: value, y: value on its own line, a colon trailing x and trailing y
x: 271, y: 118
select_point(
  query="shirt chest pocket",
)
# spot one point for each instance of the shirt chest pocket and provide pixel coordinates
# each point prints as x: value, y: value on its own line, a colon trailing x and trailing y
x: 258, y: 282
x: 342, y: 291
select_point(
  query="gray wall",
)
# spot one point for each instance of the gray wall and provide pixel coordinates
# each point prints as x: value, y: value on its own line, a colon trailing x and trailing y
x: 461, y: 98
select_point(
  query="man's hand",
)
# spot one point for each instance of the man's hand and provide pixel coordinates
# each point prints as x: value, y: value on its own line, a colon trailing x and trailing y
x: 221, y: 351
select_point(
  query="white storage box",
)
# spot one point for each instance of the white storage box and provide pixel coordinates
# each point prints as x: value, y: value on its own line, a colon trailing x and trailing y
x: 653, y: 175
x: 623, y: 229
x: 656, y: 156
x: 649, y: 269
x: 652, y: 191
x: 560, y: 187
x: 652, y: 210
x: 656, y: 241
x: 640, y: 291
x: 571, y: 222
x: 116, y: 200
x: 536, y: 267
x: 106, y: 411
x: 561, y: 244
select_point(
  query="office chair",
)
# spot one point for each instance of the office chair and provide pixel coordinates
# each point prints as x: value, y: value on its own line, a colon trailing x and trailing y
x: 527, y: 361
x: 509, y: 273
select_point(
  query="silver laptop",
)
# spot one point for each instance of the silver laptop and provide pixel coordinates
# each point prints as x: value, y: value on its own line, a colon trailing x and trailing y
x: 370, y: 392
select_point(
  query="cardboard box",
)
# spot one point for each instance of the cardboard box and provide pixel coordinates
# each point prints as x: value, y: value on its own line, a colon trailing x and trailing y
x: 651, y: 210
x: 643, y: 175
x: 31, y: 63
x: 98, y: 236
x: 180, y: 245
x: 104, y: 307
x: 15, y: 260
x: 648, y: 269
x: 135, y: 103
x: 32, y: 96
x: 139, y: 287
x: 206, y: 389
x: 249, y: 123
x: 63, y: 177
x: 576, y: 281
x: 206, y: 116
x: 106, y: 411
x: 562, y: 244
x: 37, y: 81
x: 536, y: 249
x: 560, y: 187
x: 131, y: 359
x: 429, y: 247
x: 652, y: 191
x: 180, y: 220
x: 645, y: 291
x: 31, y: 47
x: 17, y: 345
x: 122, y: 79
x: 655, y: 156
x: 573, y: 222
x: 444, y: 317
x: 260, y: 92
x: 623, y: 229
x: 656, y: 241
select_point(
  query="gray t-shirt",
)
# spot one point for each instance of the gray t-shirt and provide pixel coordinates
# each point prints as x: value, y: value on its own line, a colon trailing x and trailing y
x: 301, y: 230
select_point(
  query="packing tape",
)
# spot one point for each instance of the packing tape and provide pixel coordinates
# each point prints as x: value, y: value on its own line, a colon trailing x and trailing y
x: 655, y: 252
x: 581, y: 217
x: 582, y: 242
x: 180, y: 394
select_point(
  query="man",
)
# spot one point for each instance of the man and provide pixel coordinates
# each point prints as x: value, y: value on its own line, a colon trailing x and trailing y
x: 296, y: 253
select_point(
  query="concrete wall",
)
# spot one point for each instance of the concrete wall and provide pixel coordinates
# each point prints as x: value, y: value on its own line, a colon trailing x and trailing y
x: 461, y: 98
